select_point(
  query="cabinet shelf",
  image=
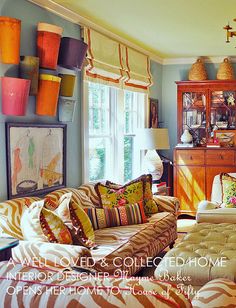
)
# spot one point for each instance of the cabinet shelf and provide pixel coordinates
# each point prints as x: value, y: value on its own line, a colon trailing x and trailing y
x: 195, y: 168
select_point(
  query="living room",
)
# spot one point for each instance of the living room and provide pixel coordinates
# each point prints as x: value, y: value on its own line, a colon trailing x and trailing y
x: 117, y: 128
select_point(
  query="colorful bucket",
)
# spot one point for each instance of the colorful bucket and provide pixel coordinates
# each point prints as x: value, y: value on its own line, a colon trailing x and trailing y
x: 72, y: 53
x: 48, y: 44
x: 66, y: 109
x: 29, y: 69
x: 15, y: 94
x: 10, y: 40
x: 48, y: 93
x: 67, y: 84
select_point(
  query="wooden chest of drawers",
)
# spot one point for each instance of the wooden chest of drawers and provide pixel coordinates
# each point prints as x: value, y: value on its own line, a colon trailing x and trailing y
x: 194, y: 171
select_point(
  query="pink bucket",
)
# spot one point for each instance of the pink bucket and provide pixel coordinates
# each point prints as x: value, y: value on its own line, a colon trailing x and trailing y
x: 15, y: 94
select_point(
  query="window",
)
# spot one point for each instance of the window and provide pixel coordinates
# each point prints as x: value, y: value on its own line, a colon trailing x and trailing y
x: 111, y: 118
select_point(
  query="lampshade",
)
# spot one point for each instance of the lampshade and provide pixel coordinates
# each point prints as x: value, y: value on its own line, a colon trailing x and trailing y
x: 153, y: 139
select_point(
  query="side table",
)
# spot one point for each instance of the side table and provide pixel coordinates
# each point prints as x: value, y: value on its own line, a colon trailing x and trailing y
x: 6, y: 244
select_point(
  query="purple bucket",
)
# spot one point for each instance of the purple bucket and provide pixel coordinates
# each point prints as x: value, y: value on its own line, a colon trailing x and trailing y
x: 72, y: 53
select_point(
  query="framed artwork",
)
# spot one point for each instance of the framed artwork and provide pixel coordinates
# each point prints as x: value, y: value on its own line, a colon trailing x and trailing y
x: 153, y: 117
x: 226, y: 138
x: 36, y: 158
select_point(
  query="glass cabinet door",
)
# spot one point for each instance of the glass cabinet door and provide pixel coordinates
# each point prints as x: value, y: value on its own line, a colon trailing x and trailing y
x: 194, y: 115
x: 222, y: 109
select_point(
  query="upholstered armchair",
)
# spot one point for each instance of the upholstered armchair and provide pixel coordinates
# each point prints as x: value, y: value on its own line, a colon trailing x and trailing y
x: 212, y: 210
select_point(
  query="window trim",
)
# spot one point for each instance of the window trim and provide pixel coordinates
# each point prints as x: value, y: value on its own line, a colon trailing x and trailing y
x: 117, y: 142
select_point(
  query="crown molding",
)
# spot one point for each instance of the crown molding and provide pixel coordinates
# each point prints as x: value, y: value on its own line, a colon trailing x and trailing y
x: 73, y: 17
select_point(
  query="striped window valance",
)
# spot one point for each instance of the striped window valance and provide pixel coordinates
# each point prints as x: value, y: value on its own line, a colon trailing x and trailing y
x: 110, y: 62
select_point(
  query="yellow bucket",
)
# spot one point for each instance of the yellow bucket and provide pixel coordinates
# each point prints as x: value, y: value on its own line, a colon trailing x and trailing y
x: 67, y: 84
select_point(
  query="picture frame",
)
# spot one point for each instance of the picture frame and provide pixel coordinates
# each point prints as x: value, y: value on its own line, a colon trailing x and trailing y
x: 226, y: 138
x: 153, y: 113
x: 36, y: 158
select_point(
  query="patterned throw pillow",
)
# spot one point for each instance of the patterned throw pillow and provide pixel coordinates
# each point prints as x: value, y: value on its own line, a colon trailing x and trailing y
x: 106, y: 217
x: 74, y: 216
x: 127, y: 194
x: 228, y: 185
x: 40, y: 224
x: 150, y: 206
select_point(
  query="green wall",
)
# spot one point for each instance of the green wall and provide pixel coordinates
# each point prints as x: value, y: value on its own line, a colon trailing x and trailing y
x: 30, y: 15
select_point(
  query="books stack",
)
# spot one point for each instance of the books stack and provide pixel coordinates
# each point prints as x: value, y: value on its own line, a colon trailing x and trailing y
x: 184, y: 145
x: 217, y: 98
x: 212, y: 145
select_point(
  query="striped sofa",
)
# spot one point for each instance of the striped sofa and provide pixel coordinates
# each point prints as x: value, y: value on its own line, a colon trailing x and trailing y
x: 123, y: 249
x: 26, y: 286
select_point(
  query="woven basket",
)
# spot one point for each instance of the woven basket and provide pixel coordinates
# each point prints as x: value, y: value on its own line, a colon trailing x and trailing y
x: 225, y: 71
x: 197, y: 71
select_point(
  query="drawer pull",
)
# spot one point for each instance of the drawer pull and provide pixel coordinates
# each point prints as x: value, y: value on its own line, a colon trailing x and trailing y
x: 191, y: 157
x: 221, y: 156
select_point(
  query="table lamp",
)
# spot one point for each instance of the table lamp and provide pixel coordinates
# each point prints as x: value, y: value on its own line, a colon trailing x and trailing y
x: 152, y: 139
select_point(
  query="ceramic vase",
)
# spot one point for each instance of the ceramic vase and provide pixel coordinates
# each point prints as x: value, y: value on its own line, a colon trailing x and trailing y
x: 186, y: 137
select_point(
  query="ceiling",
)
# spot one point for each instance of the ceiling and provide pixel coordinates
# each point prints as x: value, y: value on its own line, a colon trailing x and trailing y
x: 166, y: 28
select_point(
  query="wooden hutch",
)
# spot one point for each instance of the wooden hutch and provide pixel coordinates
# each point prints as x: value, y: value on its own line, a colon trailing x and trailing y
x: 204, y: 108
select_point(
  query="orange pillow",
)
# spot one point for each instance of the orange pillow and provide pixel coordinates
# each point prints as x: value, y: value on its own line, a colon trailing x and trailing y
x: 40, y: 224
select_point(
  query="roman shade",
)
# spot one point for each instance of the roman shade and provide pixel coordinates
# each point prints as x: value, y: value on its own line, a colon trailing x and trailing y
x: 110, y: 62
x: 104, y: 58
x: 137, y: 67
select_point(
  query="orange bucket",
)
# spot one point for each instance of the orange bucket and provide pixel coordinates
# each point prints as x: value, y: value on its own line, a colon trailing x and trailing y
x: 48, y: 44
x: 48, y: 93
x: 10, y: 40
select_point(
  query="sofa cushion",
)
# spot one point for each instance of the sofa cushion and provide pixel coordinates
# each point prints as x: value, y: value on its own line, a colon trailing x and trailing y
x: 40, y: 224
x: 130, y: 214
x: 73, y: 215
x: 89, y: 190
x: 215, y: 216
x: 10, y: 216
x: 150, y: 206
x: 78, y: 196
x: 134, y: 241
x: 228, y: 184
x: 128, y: 194
x: 216, y: 194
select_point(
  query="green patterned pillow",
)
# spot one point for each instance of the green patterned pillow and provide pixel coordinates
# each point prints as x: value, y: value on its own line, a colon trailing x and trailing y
x: 228, y: 184
x: 150, y: 206
x: 127, y: 194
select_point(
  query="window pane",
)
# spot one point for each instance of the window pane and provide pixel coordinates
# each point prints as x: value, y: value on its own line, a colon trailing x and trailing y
x: 128, y: 158
x: 134, y: 118
x: 98, y: 109
x: 131, y: 111
x: 99, y: 158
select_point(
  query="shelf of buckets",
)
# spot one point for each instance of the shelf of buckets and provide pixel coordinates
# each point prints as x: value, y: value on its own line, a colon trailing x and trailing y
x: 62, y: 56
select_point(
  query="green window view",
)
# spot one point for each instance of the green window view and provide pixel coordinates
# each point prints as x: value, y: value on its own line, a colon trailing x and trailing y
x: 105, y: 132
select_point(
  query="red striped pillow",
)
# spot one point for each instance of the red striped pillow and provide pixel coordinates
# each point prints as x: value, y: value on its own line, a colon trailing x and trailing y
x: 130, y: 214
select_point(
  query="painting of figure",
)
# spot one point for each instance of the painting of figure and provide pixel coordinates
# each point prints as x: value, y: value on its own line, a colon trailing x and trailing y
x: 153, y: 119
x: 36, y: 158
